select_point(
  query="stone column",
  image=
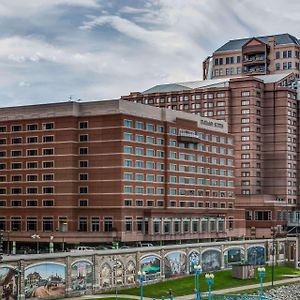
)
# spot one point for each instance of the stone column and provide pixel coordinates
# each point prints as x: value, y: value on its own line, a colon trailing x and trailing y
x: 162, y: 265
x: 222, y: 257
x: 68, y: 289
x: 20, y: 280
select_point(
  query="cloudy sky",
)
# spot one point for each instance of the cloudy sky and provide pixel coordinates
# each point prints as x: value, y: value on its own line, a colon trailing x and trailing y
x: 101, y: 49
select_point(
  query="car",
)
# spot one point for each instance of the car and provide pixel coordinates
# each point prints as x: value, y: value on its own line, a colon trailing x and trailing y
x: 83, y: 248
x: 124, y: 247
x: 145, y: 245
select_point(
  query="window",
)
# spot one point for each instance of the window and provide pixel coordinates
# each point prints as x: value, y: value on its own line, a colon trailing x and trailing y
x: 128, y: 224
x: 48, y: 126
x: 139, y: 125
x: 48, y: 138
x: 83, y: 125
x: 277, y: 66
x: 32, y: 177
x: 150, y: 127
x: 127, y: 123
x: 83, y: 151
x: 2, y: 141
x: 16, y: 224
x: 48, y: 203
x: 16, y: 141
x: 108, y: 224
x: 127, y: 136
x: 15, y: 153
x: 32, y: 190
x: 31, y: 203
x: 31, y: 224
x: 83, y: 164
x: 32, y: 165
x: 16, y: 165
x: 83, y: 189
x: 16, y: 203
x: 32, y: 139
x: 95, y: 224
x: 32, y: 152
x: 48, y: 177
x: 48, y: 190
x: 31, y: 127
x: 16, y: 128
x: 47, y: 164
x: 47, y: 224
x: 48, y: 151
x: 3, y: 128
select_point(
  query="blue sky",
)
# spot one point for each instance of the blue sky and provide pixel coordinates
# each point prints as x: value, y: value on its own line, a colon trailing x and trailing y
x: 100, y: 49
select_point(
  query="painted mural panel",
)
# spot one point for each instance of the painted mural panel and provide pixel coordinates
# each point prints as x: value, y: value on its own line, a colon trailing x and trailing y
x: 211, y: 260
x: 45, y: 280
x: 193, y: 260
x: 130, y: 273
x: 81, y: 276
x: 105, y: 276
x: 151, y: 266
x: 234, y: 256
x: 119, y: 273
x: 8, y: 282
x: 175, y: 264
x: 256, y: 255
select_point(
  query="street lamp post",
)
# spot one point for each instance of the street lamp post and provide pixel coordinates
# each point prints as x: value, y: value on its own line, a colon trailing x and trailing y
x: 198, y: 271
x: 37, y: 237
x: 261, y: 273
x: 273, y: 253
x: 141, y: 278
x: 209, y: 277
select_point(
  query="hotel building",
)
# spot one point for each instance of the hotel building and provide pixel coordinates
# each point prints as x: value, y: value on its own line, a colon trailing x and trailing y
x: 262, y: 115
x: 274, y: 54
x: 107, y: 171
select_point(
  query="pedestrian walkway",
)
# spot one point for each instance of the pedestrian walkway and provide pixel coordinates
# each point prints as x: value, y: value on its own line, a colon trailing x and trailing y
x: 234, y: 290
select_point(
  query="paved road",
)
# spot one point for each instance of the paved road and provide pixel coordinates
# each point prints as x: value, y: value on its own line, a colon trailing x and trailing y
x: 234, y: 290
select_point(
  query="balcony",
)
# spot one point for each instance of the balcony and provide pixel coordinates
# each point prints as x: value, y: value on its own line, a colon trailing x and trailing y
x: 254, y: 70
x: 254, y: 59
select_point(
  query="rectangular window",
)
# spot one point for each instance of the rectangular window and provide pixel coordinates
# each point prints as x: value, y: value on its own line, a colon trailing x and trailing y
x: 83, y: 125
x: 48, y: 139
x: 48, y: 126
x: 31, y: 127
x: 48, y: 151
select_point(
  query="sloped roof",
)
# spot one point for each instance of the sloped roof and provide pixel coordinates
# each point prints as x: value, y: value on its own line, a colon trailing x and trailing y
x: 272, y: 77
x: 280, y: 39
x: 220, y: 82
x: 185, y: 86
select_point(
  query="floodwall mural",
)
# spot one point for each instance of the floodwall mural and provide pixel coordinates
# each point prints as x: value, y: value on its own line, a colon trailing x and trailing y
x: 233, y: 256
x: 130, y: 272
x: 45, y: 280
x: 256, y: 255
x: 175, y: 264
x: 48, y: 279
x: 8, y: 282
x: 105, y: 276
x: 151, y: 266
x: 81, y: 275
x: 211, y: 260
x: 193, y: 260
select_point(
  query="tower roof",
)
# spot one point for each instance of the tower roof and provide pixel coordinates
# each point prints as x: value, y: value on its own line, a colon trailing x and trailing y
x: 280, y: 39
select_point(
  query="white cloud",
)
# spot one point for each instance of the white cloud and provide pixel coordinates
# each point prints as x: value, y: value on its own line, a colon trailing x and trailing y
x: 22, y: 8
x: 123, y: 47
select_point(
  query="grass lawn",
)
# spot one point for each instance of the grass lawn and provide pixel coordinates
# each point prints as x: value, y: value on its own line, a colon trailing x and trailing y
x: 110, y: 298
x: 223, y: 280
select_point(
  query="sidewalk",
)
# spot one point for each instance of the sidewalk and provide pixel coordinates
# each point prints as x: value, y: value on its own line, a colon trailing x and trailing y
x: 234, y: 290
